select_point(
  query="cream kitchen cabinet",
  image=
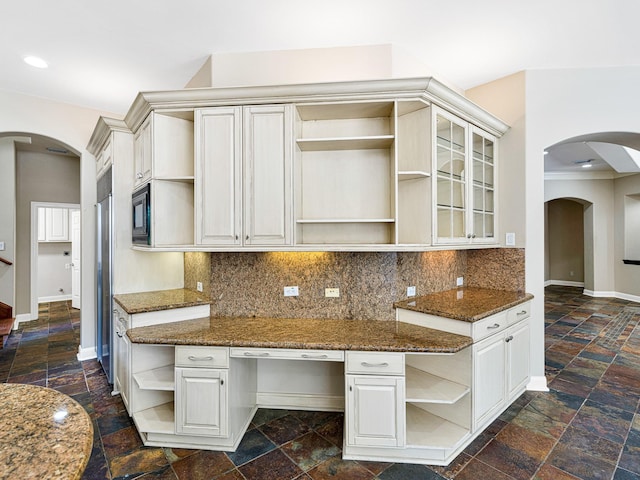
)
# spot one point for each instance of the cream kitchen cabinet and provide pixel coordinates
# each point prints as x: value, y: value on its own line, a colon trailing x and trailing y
x: 464, y: 188
x: 243, y: 175
x: 122, y: 346
x: 163, y: 157
x: 375, y: 411
x: 104, y: 159
x: 53, y: 224
x: 201, y: 398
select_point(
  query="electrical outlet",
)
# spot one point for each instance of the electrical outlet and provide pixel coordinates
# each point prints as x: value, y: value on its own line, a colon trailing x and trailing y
x: 332, y: 292
x: 459, y: 281
x: 1, y: 245
x: 510, y: 239
x: 199, y: 286
x: 411, y: 291
x: 291, y: 291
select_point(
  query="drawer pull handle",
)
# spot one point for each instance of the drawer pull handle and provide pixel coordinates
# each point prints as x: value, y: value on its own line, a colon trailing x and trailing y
x: 367, y: 364
x: 494, y: 326
x: 193, y: 358
x: 522, y: 312
x: 120, y: 334
x: 251, y: 354
x: 306, y: 355
x: 509, y: 338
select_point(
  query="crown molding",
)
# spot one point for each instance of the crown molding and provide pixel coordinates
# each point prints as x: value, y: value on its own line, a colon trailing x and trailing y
x: 424, y: 88
x: 102, y: 130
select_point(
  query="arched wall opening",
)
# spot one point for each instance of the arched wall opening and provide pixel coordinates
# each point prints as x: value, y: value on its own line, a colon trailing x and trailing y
x: 569, y: 242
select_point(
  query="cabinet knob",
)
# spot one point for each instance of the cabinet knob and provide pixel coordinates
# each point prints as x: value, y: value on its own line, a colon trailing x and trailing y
x: 509, y: 338
x: 221, y: 381
x: 247, y: 237
x: 237, y: 237
x: 139, y: 175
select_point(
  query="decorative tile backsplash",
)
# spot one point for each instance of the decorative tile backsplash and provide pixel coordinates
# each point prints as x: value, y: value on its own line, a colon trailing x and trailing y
x: 251, y: 284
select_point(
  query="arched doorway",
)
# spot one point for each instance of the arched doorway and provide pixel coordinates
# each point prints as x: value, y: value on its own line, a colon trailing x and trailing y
x: 569, y: 242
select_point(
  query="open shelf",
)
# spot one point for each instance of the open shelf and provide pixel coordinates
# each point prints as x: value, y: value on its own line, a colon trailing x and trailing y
x: 345, y: 143
x: 426, y: 388
x: 412, y: 175
x: 346, y: 220
x: 425, y: 430
x: 162, y: 378
x: 159, y: 419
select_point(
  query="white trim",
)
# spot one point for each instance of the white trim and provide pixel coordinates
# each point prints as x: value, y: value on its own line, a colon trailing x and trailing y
x: 538, y: 384
x: 23, y: 317
x: 295, y: 401
x: 54, y: 298
x: 33, y: 284
x: 86, y: 353
x: 601, y: 175
x: 563, y: 283
x: 620, y: 295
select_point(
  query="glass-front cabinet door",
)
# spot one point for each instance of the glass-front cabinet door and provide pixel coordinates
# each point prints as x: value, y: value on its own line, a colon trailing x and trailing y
x: 483, y: 185
x: 464, y: 175
x: 451, y: 178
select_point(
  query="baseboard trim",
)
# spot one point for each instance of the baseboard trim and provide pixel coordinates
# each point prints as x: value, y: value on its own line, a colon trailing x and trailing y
x: 54, y: 298
x: 23, y: 317
x: 86, y: 353
x: 300, y: 401
x: 538, y: 384
x: 563, y: 283
x: 620, y: 295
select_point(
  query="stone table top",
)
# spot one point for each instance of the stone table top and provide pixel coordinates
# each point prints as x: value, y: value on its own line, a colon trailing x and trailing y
x: 469, y: 304
x: 315, y: 334
x: 45, y: 434
x: 160, y: 300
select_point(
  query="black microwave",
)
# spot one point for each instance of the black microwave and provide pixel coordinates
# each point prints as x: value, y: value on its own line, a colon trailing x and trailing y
x: 141, y: 201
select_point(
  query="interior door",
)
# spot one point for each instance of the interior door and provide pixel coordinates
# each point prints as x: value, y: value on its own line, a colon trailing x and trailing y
x: 75, y: 258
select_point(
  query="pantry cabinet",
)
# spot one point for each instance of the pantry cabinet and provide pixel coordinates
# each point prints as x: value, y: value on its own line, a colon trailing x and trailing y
x: 243, y: 175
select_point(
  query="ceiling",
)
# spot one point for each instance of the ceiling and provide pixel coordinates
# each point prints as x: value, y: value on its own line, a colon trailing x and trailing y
x: 101, y: 54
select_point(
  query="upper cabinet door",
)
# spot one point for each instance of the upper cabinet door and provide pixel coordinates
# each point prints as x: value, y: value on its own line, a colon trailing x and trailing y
x: 142, y: 152
x: 483, y: 185
x: 267, y: 178
x: 450, y: 165
x: 218, y: 176
x: 464, y: 190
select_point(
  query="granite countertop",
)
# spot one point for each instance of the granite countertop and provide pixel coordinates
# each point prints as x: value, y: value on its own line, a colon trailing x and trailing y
x: 45, y: 434
x: 469, y: 304
x: 160, y: 300
x: 317, y: 334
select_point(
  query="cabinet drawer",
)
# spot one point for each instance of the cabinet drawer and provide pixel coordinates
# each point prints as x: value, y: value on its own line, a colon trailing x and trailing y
x: 289, y: 354
x: 488, y: 326
x: 518, y: 313
x: 217, y: 357
x: 374, y: 363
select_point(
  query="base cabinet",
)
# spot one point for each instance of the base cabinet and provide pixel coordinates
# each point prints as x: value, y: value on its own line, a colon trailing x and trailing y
x: 489, y: 380
x: 201, y: 401
x: 375, y: 411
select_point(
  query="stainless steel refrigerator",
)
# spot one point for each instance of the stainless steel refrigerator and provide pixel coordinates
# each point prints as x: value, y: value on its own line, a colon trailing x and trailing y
x: 104, y: 250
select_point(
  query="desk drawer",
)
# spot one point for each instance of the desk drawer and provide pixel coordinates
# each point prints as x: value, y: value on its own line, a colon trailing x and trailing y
x: 518, y: 313
x: 375, y: 363
x: 289, y: 354
x: 202, y: 357
x: 488, y: 326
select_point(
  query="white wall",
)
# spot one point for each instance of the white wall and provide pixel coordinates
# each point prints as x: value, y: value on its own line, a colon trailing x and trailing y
x: 52, y: 274
x: 627, y: 277
x: 600, y: 194
x: 72, y: 126
x: 7, y: 218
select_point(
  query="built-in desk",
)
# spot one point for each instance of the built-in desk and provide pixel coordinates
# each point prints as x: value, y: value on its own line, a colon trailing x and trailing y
x: 410, y: 393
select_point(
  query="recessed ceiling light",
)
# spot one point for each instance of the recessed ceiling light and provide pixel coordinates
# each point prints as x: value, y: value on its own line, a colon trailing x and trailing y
x: 35, y: 62
x: 587, y: 165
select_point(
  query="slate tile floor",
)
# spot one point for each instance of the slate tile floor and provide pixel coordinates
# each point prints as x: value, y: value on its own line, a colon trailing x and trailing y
x: 587, y: 427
